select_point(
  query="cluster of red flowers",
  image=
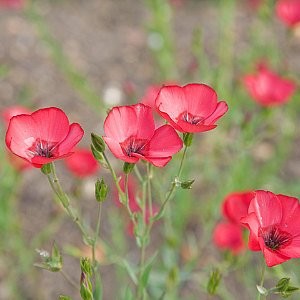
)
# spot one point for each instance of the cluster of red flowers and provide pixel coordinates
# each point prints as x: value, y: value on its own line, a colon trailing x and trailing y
x: 271, y: 219
x: 130, y: 133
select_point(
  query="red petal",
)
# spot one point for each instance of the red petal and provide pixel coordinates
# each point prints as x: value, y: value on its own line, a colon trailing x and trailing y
x: 52, y: 124
x: 201, y: 99
x: 73, y: 137
x: 252, y: 223
x: 125, y: 121
x: 267, y: 208
x: 172, y: 101
x: 273, y: 258
x: 21, y: 134
x: 165, y: 142
x: 221, y: 109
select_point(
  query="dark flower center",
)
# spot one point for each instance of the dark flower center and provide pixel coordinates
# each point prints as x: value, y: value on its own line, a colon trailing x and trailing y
x: 274, y: 237
x: 133, y: 145
x: 191, y: 119
x: 42, y: 148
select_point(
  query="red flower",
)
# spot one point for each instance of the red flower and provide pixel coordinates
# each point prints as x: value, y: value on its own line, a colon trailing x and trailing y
x: 288, y: 11
x: 267, y: 88
x: 274, y: 224
x: 191, y: 108
x: 82, y: 163
x: 131, y: 135
x: 43, y: 136
x: 12, y: 111
x: 12, y: 3
x: 235, y: 206
x: 228, y: 236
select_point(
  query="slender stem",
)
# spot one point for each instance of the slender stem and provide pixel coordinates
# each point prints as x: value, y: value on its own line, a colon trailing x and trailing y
x: 96, y: 236
x: 69, y: 279
x: 149, y: 177
x: 262, y: 279
x: 173, y: 186
x: 138, y: 174
x: 65, y: 201
x: 121, y: 193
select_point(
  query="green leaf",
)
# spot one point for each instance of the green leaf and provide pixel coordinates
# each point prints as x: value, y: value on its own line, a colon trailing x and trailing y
x: 128, y: 295
x: 213, y: 282
x: 62, y: 297
x: 130, y: 271
x: 147, y: 270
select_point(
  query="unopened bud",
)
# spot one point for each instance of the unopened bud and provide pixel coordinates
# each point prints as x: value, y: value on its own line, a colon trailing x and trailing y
x: 187, y: 184
x: 128, y: 167
x: 98, y: 142
x: 101, y: 190
x: 213, y: 282
x: 86, y: 289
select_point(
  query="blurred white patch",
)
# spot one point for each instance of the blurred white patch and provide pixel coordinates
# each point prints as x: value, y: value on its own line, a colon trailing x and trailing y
x: 88, y: 188
x: 112, y: 95
x: 155, y: 41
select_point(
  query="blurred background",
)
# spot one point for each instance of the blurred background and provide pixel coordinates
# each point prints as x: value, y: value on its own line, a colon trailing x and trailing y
x: 87, y: 56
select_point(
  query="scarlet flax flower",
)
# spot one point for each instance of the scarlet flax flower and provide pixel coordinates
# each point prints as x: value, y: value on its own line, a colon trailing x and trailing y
x: 191, y: 108
x: 82, y: 163
x: 268, y: 88
x: 228, y: 236
x: 130, y: 135
x: 274, y: 224
x: 288, y: 11
x: 43, y: 136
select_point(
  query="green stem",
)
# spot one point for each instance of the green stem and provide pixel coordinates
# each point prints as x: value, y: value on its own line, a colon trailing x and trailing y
x: 173, y: 186
x: 96, y: 236
x: 262, y: 279
x: 69, y: 279
x: 65, y: 201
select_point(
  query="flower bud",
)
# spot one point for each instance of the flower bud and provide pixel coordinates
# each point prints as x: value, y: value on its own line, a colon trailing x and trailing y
x: 101, y: 190
x: 46, y: 169
x: 213, y: 282
x: 98, y: 142
x: 128, y: 167
x: 187, y: 184
x: 86, y: 289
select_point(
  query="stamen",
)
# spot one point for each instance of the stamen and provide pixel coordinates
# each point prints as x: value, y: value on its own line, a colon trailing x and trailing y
x: 191, y: 119
x: 41, y: 148
x: 133, y: 145
x: 274, y: 237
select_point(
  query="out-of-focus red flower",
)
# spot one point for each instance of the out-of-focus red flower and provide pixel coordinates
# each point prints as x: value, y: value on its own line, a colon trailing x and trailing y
x: 131, y: 135
x: 228, y: 236
x: 191, y: 108
x: 43, y: 136
x: 152, y: 93
x: 82, y: 163
x: 12, y: 111
x: 274, y: 224
x: 268, y: 88
x: 288, y: 11
x: 132, y: 189
x: 235, y: 206
x: 12, y: 3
